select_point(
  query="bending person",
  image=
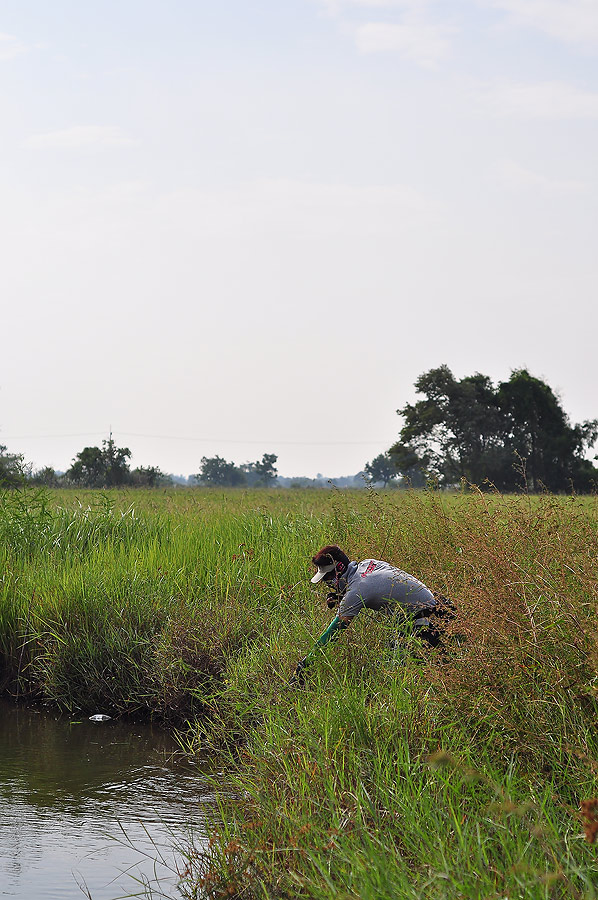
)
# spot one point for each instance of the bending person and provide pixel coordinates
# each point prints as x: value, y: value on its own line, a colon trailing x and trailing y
x: 374, y: 584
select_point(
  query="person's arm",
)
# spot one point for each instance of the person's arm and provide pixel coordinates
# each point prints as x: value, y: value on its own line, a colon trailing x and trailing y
x: 350, y: 605
x: 339, y: 623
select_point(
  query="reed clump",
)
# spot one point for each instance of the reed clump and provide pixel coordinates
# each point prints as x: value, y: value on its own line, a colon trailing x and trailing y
x: 466, y: 773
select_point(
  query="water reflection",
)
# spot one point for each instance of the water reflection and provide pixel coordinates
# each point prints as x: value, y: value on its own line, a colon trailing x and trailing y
x: 91, y: 807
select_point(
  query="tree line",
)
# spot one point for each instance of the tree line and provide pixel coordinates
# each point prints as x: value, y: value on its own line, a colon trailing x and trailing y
x: 218, y: 472
x: 108, y: 466
x: 511, y: 435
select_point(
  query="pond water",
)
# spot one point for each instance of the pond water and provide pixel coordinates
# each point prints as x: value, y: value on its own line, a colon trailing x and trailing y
x: 92, y: 809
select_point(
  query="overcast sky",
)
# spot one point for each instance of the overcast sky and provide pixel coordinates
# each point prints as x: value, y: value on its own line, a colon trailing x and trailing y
x: 247, y: 226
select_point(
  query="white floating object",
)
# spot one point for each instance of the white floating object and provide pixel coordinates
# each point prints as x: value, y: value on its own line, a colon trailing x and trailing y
x: 99, y: 717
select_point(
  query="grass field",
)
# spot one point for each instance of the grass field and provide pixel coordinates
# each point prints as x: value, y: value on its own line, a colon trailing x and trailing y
x: 471, y: 776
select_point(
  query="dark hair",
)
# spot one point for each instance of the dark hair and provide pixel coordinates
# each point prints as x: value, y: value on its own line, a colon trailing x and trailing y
x: 331, y: 554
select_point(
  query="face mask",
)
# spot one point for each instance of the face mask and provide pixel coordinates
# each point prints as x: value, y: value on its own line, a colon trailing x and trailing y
x: 341, y: 584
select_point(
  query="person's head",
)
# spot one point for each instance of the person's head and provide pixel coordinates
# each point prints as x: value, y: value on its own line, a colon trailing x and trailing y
x: 330, y: 563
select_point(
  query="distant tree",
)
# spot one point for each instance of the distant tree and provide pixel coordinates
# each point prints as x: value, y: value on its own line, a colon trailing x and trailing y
x: 217, y: 472
x: 12, y: 471
x: 88, y: 468
x: 115, y: 462
x: 261, y: 473
x: 249, y: 474
x: 265, y: 469
x: 150, y: 476
x: 106, y: 467
x: 47, y: 476
x: 468, y: 429
x: 382, y: 468
x: 413, y: 468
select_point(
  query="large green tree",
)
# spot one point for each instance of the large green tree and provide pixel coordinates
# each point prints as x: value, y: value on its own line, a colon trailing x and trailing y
x: 470, y: 429
x: 539, y: 432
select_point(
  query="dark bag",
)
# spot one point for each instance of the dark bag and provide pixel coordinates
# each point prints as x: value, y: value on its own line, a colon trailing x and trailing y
x: 443, y: 613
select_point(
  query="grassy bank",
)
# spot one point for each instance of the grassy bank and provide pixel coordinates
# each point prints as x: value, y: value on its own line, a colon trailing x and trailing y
x: 454, y: 778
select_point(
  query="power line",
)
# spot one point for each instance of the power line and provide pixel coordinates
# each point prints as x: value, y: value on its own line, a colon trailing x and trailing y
x: 211, y: 440
x: 215, y: 440
x: 22, y: 437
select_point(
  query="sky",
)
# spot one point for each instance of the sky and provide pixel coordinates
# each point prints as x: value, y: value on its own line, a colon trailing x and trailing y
x: 247, y: 227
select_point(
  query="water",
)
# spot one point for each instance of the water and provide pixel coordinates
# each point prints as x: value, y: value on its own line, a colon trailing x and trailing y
x: 92, y: 809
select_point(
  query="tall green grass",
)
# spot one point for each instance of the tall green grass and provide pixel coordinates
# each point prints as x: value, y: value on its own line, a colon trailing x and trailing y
x: 135, y: 601
x: 444, y: 776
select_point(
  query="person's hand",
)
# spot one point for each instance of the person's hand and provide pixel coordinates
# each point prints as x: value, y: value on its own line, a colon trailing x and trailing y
x: 298, y: 677
x: 332, y: 599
